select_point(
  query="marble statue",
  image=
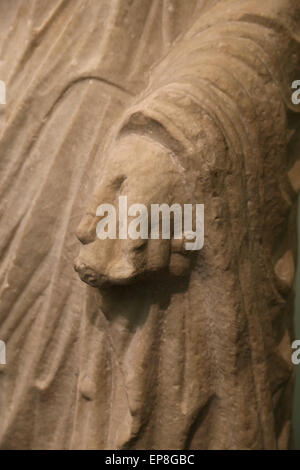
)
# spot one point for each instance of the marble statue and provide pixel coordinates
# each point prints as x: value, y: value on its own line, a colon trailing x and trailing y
x: 162, y: 101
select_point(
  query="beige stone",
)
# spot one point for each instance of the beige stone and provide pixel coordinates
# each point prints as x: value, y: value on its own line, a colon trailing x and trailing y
x: 162, y: 101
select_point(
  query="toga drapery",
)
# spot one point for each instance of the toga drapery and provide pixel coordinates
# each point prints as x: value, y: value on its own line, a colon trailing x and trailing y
x: 197, y: 369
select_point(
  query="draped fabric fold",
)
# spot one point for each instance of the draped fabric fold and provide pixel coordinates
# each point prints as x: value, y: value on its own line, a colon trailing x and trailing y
x: 205, y: 350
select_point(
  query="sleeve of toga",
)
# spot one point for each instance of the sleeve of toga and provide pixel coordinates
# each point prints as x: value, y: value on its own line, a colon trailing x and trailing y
x: 237, y: 64
x: 225, y: 89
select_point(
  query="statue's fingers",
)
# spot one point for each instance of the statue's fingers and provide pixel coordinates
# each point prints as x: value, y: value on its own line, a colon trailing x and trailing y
x: 128, y: 261
x: 180, y: 258
x: 105, y: 194
x: 158, y: 255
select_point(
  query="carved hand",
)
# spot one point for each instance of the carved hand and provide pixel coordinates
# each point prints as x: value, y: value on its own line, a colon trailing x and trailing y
x: 146, y: 173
